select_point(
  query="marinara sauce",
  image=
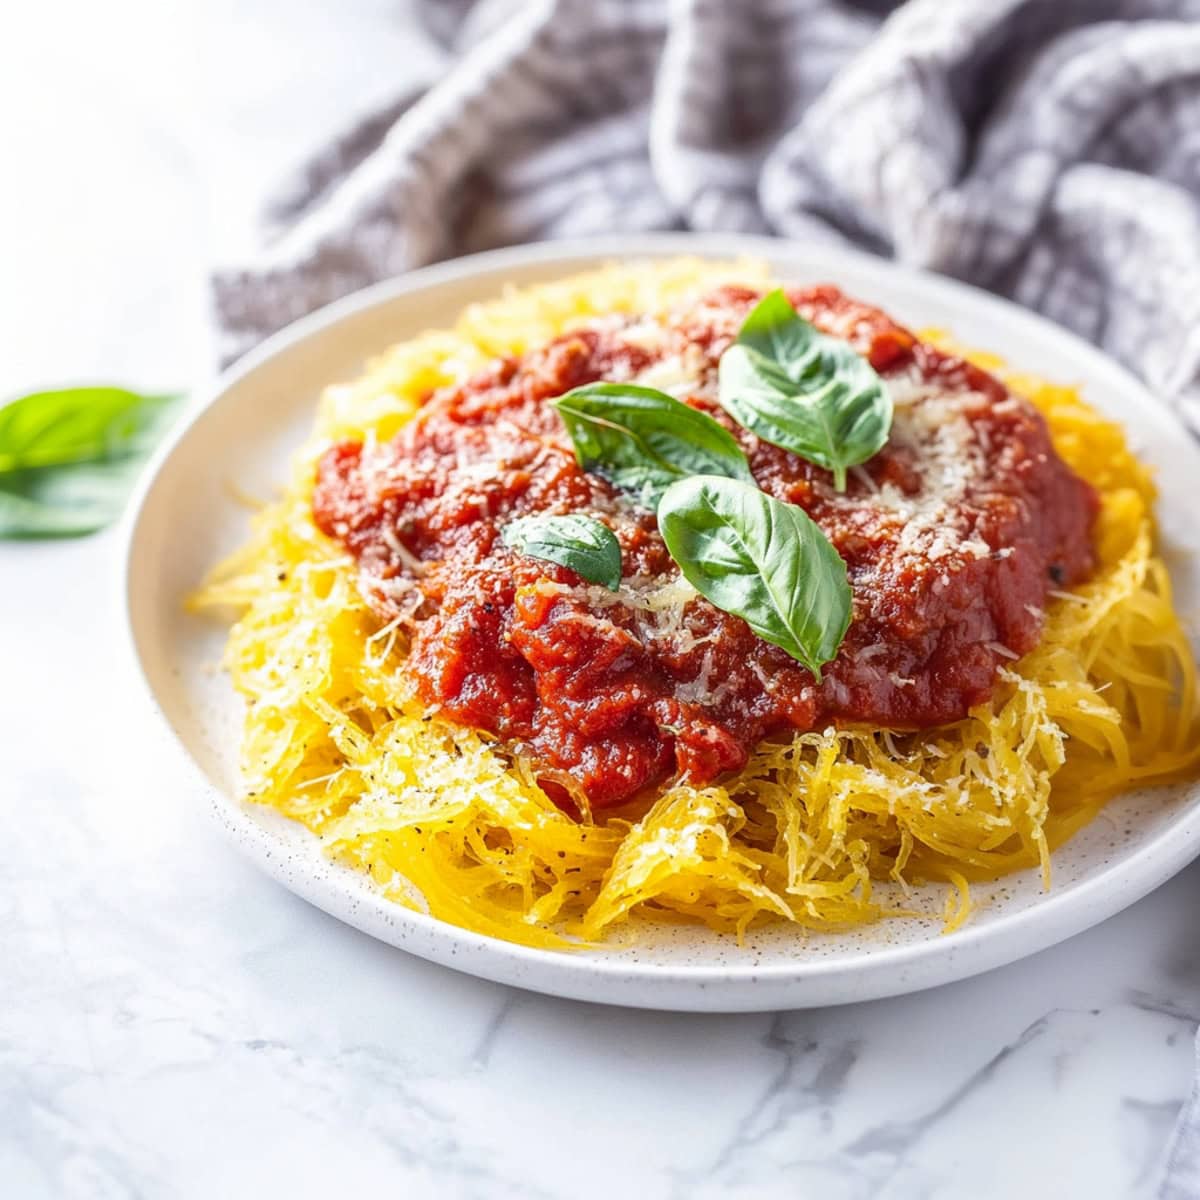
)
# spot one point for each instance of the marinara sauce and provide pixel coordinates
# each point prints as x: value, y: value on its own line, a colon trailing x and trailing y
x: 952, y: 536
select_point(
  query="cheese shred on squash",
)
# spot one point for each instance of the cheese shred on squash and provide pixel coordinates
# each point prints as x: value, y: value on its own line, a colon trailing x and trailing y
x: 445, y: 821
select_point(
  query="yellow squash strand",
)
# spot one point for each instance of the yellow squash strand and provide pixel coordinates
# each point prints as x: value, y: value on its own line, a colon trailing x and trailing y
x: 443, y: 820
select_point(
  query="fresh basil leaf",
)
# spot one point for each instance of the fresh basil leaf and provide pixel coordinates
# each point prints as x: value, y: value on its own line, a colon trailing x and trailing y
x: 88, y: 424
x: 642, y: 440
x: 762, y: 560
x: 68, y: 458
x: 64, y: 501
x: 802, y: 390
x: 581, y: 544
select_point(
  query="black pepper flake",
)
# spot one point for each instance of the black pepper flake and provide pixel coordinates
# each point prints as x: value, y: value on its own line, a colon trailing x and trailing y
x: 1057, y: 574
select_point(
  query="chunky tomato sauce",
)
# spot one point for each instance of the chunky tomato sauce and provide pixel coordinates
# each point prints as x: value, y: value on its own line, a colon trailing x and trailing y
x: 952, y: 536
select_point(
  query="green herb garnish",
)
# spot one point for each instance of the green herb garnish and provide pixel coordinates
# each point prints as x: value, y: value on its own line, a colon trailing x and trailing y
x: 762, y: 560
x: 797, y: 388
x: 581, y: 544
x: 68, y: 458
x: 642, y: 440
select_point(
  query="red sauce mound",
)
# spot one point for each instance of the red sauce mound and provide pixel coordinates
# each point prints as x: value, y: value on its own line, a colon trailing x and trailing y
x: 952, y: 536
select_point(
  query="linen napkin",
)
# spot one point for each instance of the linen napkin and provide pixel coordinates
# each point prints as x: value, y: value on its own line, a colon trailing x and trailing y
x: 1046, y: 149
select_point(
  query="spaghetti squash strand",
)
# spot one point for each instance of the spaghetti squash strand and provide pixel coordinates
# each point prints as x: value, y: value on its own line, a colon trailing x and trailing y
x: 443, y: 819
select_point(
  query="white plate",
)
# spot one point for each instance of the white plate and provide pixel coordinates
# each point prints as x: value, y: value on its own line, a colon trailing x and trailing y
x: 185, y: 519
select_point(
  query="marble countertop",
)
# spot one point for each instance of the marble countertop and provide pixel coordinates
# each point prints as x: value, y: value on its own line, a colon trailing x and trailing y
x: 174, y: 1024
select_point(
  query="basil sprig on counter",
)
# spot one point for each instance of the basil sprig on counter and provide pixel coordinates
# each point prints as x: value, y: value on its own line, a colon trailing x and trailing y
x: 582, y: 544
x: 762, y: 560
x: 68, y: 458
x: 797, y: 388
x: 642, y: 440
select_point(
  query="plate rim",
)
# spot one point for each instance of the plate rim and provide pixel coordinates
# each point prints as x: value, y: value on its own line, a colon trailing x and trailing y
x: 348, y: 896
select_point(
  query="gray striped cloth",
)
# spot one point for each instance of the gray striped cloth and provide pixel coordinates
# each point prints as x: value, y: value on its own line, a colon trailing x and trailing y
x: 1046, y: 149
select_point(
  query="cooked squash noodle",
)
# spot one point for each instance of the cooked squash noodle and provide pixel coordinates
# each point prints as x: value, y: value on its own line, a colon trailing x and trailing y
x: 445, y: 820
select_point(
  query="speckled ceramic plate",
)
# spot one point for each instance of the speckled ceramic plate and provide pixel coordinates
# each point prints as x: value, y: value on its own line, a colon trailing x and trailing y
x: 185, y: 519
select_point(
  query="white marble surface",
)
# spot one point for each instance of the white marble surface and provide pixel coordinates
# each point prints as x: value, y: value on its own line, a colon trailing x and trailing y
x: 172, y: 1024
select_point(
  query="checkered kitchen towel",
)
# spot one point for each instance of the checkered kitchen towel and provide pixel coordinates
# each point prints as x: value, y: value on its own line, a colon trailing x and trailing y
x: 1046, y: 149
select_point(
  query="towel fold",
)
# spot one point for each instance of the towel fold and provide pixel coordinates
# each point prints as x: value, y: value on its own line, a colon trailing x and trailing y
x: 1045, y: 149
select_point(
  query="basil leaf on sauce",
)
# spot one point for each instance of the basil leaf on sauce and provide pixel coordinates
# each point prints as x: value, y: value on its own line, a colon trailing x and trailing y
x: 69, y: 458
x: 642, y: 440
x: 802, y: 390
x: 762, y: 560
x: 581, y: 544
